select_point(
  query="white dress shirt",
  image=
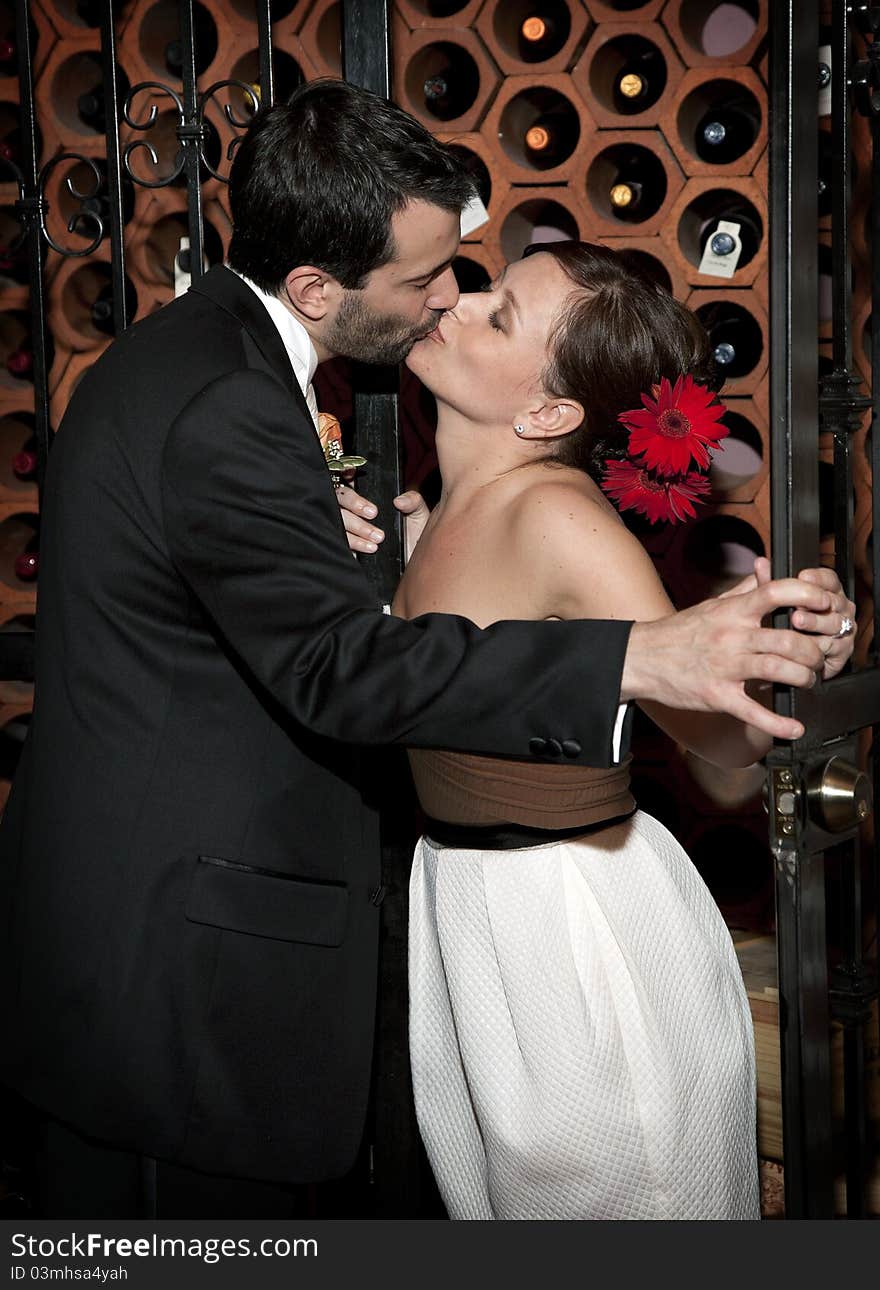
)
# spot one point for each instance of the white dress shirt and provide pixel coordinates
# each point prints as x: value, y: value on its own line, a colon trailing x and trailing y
x: 296, y: 341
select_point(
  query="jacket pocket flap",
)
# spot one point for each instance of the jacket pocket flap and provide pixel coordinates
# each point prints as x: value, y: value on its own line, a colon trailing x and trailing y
x: 265, y: 903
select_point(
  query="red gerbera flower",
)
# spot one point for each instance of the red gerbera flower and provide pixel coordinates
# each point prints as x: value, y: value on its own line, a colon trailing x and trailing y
x: 674, y: 426
x: 633, y: 488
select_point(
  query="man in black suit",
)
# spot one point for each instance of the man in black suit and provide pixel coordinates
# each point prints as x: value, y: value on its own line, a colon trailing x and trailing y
x: 188, y: 873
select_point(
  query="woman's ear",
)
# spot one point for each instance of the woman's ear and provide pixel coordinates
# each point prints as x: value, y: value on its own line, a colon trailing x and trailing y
x: 552, y: 419
x: 311, y: 292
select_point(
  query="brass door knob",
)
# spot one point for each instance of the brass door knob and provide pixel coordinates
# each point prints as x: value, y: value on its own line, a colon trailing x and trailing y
x: 839, y: 795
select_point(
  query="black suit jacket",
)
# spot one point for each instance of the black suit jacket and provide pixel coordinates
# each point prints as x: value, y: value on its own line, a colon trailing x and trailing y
x: 186, y: 863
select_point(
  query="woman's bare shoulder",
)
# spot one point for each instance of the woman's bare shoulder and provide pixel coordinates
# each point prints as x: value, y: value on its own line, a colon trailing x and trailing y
x: 560, y: 498
x: 576, y: 541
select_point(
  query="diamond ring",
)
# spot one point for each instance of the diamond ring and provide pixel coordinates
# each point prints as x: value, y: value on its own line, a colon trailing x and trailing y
x: 846, y: 627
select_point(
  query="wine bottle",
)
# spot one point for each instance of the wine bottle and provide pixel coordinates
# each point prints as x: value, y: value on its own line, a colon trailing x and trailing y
x: 27, y: 563
x: 20, y: 362
x: 641, y: 79
x: 451, y: 81
x: 551, y: 137
x: 749, y: 233
x: 103, y: 308
x: 174, y: 56
x: 91, y: 107
x: 25, y: 461
x: 824, y: 180
x: 7, y: 56
x: 824, y: 71
x: 10, y: 147
x: 542, y: 34
x: 734, y: 336
x: 204, y: 44
x: 103, y: 313
x: 726, y: 131
x: 637, y: 189
x: 91, y: 104
x: 626, y: 198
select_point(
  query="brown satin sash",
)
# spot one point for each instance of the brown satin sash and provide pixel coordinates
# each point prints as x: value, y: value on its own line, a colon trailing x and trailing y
x: 461, y: 788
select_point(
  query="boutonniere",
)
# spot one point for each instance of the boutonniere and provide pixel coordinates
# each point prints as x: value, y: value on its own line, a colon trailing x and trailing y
x: 340, y: 464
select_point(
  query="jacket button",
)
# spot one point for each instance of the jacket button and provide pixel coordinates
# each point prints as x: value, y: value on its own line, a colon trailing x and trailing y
x: 537, y: 746
x: 554, y: 748
x: 571, y: 748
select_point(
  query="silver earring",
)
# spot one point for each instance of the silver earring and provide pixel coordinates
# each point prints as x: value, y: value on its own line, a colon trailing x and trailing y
x: 520, y: 429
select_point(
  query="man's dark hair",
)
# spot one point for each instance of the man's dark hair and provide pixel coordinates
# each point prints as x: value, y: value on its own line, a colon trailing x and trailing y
x: 617, y: 335
x: 316, y: 180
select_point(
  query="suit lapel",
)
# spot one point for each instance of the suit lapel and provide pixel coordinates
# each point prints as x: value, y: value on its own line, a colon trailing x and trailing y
x: 225, y: 289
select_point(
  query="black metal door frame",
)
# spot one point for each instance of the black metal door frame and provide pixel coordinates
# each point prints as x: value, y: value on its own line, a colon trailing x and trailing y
x: 808, y: 852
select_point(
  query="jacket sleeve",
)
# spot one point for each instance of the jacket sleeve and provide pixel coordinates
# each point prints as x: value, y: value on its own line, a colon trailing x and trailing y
x: 254, y: 530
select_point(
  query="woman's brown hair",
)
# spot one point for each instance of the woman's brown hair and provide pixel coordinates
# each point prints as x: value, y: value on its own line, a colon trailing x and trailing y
x: 616, y: 336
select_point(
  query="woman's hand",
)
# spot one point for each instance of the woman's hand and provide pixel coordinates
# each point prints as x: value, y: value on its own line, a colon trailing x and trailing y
x: 364, y: 537
x: 825, y: 627
x: 416, y: 512
x: 357, y: 512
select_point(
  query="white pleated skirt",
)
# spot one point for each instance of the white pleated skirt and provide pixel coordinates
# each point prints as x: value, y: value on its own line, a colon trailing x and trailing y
x: 581, y: 1041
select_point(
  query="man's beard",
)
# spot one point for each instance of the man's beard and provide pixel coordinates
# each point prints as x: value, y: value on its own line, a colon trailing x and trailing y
x: 358, y: 332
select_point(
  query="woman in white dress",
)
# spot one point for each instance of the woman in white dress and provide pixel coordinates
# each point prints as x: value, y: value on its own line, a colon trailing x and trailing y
x: 580, y: 1035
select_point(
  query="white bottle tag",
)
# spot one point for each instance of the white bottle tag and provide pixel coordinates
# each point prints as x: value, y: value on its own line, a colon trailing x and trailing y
x: 825, y: 90
x: 721, y: 262
x: 183, y: 279
x: 473, y: 216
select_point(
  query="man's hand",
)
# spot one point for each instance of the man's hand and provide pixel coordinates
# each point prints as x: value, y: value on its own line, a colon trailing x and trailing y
x: 357, y: 512
x: 837, y: 650
x: 417, y: 513
x: 701, y: 658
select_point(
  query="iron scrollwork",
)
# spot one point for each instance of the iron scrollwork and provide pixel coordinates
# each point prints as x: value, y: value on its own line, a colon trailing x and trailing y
x: 192, y: 129
x: 31, y: 208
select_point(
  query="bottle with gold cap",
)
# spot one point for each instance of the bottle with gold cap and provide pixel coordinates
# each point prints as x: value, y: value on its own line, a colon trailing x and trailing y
x: 543, y: 30
x: 625, y: 195
x: 641, y: 78
x: 629, y: 191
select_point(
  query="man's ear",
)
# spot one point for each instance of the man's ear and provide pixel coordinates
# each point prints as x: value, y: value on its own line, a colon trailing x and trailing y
x: 311, y: 292
x: 554, y: 418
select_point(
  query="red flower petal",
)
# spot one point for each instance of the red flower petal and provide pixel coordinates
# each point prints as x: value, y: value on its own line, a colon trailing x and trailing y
x: 634, y: 488
x: 674, y: 429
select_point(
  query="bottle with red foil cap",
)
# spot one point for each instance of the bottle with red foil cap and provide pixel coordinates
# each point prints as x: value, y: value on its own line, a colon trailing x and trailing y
x: 27, y: 562
x: 20, y: 362
x: 7, y: 56
x: 26, y: 460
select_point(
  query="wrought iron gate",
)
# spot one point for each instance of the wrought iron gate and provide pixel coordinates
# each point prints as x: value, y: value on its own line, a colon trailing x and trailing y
x: 818, y: 798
